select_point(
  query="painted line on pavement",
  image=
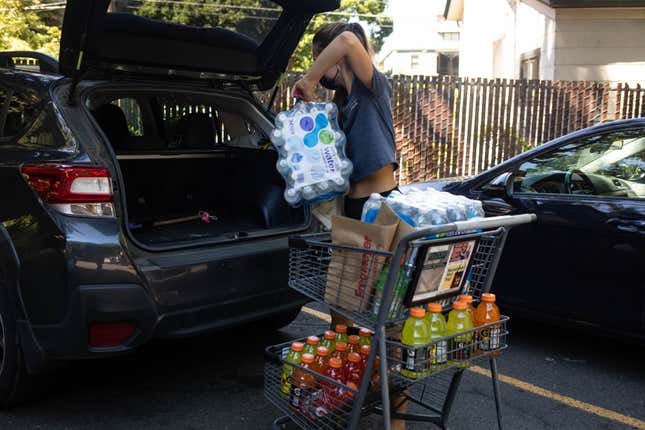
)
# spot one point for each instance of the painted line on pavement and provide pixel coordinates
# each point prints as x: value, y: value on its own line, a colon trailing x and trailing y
x: 569, y: 401
x: 534, y: 389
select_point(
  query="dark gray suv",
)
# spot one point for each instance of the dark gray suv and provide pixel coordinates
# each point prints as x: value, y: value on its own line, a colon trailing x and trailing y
x: 139, y: 192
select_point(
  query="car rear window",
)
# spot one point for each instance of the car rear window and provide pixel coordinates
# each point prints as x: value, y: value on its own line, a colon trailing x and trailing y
x: 252, y: 18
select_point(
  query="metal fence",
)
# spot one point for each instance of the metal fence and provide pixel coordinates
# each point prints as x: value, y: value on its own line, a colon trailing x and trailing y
x: 451, y: 126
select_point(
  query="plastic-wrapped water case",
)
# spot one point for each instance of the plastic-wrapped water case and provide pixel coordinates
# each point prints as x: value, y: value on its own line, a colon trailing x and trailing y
x: 424, y: 208
x: 311, y: 150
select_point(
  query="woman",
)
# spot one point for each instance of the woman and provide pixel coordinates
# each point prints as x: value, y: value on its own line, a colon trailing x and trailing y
x: 342, y: 62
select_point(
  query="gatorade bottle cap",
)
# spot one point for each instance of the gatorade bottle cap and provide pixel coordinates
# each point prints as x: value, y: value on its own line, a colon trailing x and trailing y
x: 297, y: 346
x: 460, y: 306
x: 365, y: 349
x: 330, y: 335
x: 341, y: 328
x: 354, y: 357
x: 313, y: 340
x: 435, y: 307
x: 307, y: 358
x: 323, y: 351
x: 335, y: 362
x: 488, y: 297
x: 466, y: 298
x: 418, y: 312
x: 341, y: 346
x: 354, y: 339
x: 365, y: 332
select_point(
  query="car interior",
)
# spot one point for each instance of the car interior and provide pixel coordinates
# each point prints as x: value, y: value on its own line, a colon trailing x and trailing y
x: 610, y: 166
x: 182, y: 156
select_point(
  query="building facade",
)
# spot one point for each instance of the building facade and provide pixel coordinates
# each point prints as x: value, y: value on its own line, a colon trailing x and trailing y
x: 551, y: 39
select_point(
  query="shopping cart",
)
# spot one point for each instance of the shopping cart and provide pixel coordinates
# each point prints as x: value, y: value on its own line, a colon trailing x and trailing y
x: 327, y: 273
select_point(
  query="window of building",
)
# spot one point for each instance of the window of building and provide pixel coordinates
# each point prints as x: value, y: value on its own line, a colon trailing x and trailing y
x: 449, y: 35
x: 448, y: 63
x: 414, y: 61
x: 530, y: 65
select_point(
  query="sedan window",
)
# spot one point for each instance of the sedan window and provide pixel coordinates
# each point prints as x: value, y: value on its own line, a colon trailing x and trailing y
x: 609, y: 165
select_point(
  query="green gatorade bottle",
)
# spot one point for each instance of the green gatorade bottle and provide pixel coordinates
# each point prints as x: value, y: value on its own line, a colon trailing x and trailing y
x: 293, y: 356
x: 438, y: 352
x: 416, y: 334
x: 460, y: 346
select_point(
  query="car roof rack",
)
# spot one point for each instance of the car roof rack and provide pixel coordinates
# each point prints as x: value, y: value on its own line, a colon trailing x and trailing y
x: 30, y: 61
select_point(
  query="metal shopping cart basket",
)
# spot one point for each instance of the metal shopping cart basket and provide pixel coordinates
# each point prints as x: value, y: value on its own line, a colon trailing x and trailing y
x: 461, y: 258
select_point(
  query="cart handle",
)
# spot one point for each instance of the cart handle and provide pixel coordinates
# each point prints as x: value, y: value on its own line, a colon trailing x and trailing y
x: 469, y: 225
x: 494, y: 222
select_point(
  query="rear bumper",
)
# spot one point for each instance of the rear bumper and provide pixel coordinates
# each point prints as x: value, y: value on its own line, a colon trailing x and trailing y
x: 131, y: 302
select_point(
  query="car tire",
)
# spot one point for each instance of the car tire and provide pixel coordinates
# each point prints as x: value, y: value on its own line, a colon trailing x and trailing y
x: 16, y: 385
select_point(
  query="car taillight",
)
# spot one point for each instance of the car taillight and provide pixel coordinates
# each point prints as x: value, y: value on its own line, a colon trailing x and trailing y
x: 72, y: 189
x: 108, y: 334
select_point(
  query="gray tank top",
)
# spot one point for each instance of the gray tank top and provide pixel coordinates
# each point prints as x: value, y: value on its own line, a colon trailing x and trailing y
x: 366, y: 120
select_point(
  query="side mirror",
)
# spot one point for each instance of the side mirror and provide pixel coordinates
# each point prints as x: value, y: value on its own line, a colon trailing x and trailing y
x: 501, y: 186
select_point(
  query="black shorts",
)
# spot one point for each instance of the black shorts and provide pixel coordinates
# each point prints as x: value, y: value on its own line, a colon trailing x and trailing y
x: 354, y: 207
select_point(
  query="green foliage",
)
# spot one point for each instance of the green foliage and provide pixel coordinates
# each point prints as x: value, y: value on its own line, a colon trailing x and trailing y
x: 369, y: 12
x: 24, y: 27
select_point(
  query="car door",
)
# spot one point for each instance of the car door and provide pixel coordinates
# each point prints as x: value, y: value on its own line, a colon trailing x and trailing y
x: 583, y: 260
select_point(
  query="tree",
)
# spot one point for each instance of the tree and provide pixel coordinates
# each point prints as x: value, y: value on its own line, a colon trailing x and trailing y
x: 256, y: 17
x: 22, y: 27
x: 368, y: 12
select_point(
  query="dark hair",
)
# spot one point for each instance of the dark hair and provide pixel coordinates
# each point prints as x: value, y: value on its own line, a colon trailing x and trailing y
x: 329, y: 32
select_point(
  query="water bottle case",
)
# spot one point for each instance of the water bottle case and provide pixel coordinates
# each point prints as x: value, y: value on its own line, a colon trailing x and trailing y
x: 424, y: 208
x: 311, y: 148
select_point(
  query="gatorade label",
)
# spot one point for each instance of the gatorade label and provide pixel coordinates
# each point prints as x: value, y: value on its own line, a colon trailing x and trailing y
x: 460, y: 349
x: 415, y: 359
x: 300, y: 398
x: 439, y: 353
x: 489, y: 339
x: 285, y: 380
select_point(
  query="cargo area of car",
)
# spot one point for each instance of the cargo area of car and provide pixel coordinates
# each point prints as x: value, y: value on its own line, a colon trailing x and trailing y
x: 195, y: 168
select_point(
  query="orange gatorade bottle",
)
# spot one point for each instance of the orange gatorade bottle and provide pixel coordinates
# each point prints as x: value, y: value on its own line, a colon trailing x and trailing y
x: 303, y: 386
x: 365, y: 354
x: 340, y: 351
x: 469, y: 301
x: 341, y: 333
x: 322, y: 359
x: 353, y: 344
x: 329, y: 340
x: 311, y: 345
x: 488, y: 339
x: 353, y: 369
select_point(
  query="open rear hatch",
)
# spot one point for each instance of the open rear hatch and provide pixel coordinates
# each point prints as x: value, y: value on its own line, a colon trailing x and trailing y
x: 249, y: 44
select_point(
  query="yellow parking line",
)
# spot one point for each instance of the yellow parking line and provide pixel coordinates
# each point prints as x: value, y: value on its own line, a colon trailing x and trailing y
x: 317, y: 314
x: 569, y: 401
x: 534, y: 389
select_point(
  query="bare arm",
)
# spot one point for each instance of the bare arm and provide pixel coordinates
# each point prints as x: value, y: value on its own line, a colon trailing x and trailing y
x: 345, y: 46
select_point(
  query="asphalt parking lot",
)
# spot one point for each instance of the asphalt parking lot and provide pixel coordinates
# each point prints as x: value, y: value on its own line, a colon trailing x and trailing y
x: 552, y: 379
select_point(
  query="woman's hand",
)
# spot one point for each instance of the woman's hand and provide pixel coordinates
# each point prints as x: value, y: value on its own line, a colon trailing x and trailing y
x: 303, y: 89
